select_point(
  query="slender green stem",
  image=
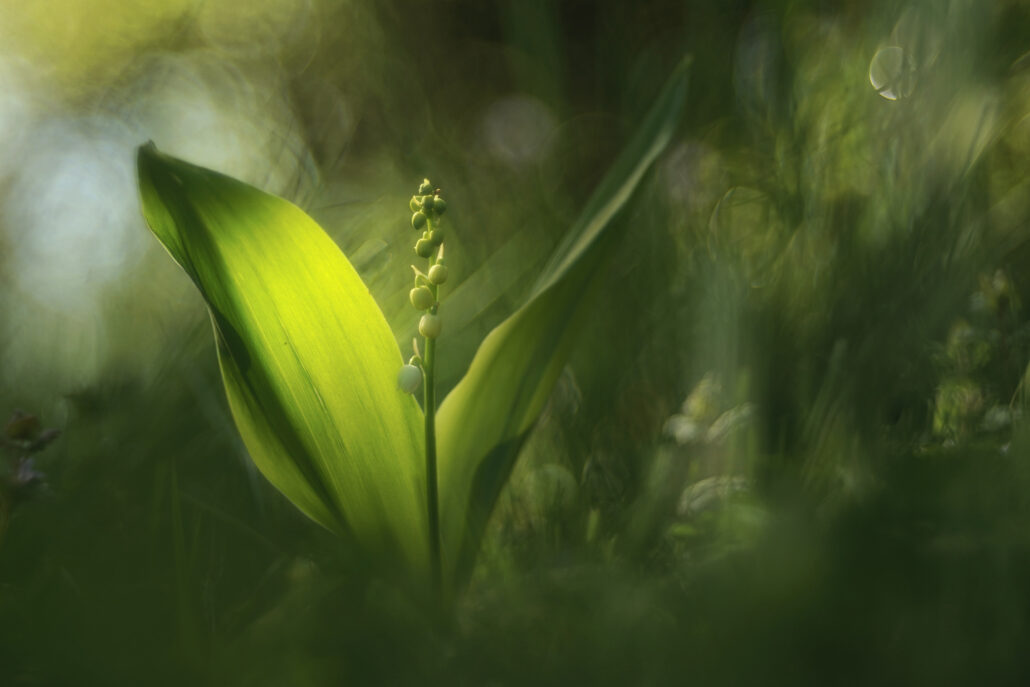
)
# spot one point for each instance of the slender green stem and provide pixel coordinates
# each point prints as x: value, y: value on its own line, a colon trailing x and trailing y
x: 431, y: 461
x: 432, y: 497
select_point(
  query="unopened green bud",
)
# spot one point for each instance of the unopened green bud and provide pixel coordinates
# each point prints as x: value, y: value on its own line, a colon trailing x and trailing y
x: 409, y: 378
x: 415, y: 204
x: 421, y: 297
x: 436, y: 236
x: 425, y: 187
x: 429, y: 326
x: 424, y: 248
x: 439, y: 206
x: 438, y: 274
x: 418, y: 220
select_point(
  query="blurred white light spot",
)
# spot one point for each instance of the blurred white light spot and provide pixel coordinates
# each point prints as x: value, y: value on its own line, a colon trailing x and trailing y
x: 516, y: 129
x: 892, y: 73
x: 71, y: 214
x: 191, y: 109
x: 207, y: 110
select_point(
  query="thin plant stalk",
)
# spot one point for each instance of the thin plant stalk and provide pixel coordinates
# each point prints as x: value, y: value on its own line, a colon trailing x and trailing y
x: 432, y: 498
x: 432, y: 491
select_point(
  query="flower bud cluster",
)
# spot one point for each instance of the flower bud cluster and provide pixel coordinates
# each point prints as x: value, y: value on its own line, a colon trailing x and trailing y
x: 427, y: 207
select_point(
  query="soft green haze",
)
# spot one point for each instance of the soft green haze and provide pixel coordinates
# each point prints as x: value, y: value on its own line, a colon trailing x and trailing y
x: 768, y: 376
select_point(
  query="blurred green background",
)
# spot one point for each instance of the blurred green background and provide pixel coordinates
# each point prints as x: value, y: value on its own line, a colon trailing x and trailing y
x: 792, y: 447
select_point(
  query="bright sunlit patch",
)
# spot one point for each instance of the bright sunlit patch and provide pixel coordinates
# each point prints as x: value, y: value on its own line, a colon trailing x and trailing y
x: 191, y: 105
x: 72, y: 235
x: 71, y: 231
x: 208, y: 110
x: 70, y: 214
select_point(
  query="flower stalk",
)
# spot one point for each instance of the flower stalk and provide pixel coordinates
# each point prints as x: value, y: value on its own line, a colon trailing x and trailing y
x: 428, y: 207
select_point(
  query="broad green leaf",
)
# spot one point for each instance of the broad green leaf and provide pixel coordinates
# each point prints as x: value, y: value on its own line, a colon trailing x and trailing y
x: 308, y: 360
x: 484, y: 421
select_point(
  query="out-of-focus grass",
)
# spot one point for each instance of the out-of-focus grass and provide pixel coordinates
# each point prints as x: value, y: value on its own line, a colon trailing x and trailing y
x: 792, y: 449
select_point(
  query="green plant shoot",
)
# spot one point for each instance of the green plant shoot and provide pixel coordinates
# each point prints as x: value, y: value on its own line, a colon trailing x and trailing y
x: 315, y: 380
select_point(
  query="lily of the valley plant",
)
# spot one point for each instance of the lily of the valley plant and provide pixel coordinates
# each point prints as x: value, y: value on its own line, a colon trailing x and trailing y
x: 315, y: 379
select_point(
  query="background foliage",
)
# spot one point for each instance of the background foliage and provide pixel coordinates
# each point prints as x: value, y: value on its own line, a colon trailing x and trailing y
x: 792, y: 447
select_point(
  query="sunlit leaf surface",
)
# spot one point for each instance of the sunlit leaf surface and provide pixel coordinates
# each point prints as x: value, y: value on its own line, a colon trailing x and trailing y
x: 485, y: 419
x: 308, y: 360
